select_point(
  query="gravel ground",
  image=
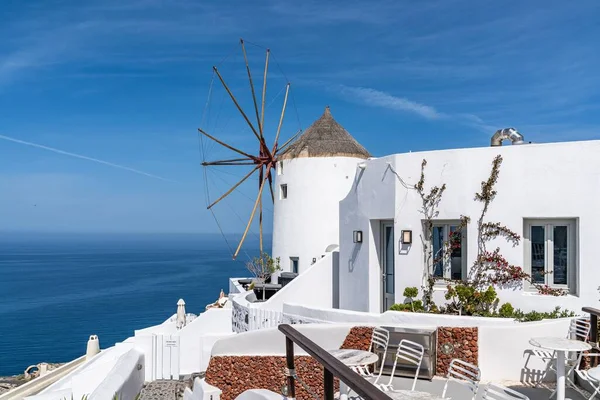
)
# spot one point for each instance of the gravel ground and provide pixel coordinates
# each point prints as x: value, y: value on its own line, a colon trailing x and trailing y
x: 163, y: 390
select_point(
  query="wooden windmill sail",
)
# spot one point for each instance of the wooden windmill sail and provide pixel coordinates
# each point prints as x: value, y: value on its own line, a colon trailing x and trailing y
x: 261, y: 163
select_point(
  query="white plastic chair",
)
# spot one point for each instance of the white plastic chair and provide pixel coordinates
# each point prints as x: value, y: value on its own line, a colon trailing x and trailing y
x: 465, y: 373
x: 410, y: 352
x: 379, y: 339
x: 579, y: 329
x: 583, y: 375
x: 499, y: 392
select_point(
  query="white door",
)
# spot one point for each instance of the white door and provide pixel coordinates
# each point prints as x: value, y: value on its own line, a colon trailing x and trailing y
x: 387, y: 265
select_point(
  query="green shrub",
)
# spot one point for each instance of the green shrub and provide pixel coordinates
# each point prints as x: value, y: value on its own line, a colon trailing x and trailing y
x: 411, y: 292
x: 467, y: 300
x: 506, y: 311
x: 538, y: 316
x: 415, y: 306
x: 400, y: 307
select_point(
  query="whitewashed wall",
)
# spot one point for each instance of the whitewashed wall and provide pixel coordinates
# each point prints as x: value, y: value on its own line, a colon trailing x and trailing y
x: 306, y: 222
x: 202, y: 391
x: 558, y: 180
x: 126, y: 378
x: 197, y: 338
x: 312, y: 288
x: 303, y: 314
x: 87, y: 377
x: 271, y: 342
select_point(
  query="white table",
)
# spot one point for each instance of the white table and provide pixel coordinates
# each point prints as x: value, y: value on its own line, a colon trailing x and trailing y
x: 407, y: 395
x: 353, y: 358
x: 560, y: 345
x: 594, y: 373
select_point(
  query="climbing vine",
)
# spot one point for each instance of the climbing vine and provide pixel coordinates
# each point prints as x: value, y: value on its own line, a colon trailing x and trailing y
x: 430, y: 201
x: 490, y: 269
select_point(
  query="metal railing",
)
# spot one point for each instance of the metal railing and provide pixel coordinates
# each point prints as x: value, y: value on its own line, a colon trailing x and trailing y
x: 594, y: 314
x: 332, y: 367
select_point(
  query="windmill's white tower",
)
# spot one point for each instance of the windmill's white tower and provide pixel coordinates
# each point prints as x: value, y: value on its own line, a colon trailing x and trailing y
x: 313, y: 175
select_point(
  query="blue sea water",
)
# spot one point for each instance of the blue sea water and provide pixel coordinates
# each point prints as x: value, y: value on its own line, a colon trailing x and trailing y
x: 56, y: 290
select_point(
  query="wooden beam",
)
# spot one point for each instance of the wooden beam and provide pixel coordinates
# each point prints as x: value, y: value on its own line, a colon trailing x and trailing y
x: 235, y: 102
x: 264, y: 90
x: 226, y: 145
x: 260, y: 125
x: 261, y: 141
x: 234, y: 187
x: 262, y: 186
x: 289, y: 141
x: 217, y: 163
x: 260, y: 219
x: 271, y: 188
x: 287, y: 90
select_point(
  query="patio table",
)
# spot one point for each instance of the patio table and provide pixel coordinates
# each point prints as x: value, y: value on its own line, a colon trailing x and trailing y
x: 594, y: 373
x: 560, y: 345
x: 407, y: 394
x: 353, y: 358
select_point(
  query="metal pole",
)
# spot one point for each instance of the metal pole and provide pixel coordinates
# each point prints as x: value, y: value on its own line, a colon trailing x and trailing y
x: 328, y: 384
x: 289, y: 358
x: 594, y: 338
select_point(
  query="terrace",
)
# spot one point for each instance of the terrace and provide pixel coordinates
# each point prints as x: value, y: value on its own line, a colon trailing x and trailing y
x: 303, y: 361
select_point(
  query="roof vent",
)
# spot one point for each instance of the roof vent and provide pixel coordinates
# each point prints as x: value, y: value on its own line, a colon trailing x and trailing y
x: 506, y: 133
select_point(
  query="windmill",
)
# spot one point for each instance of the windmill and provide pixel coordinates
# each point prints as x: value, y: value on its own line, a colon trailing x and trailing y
x: 261, y: 163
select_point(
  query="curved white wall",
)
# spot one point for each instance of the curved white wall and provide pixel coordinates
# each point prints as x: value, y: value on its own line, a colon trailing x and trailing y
x: 307, y: 221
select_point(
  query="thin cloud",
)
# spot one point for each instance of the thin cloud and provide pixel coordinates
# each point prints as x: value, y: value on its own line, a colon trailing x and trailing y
x: 376, y: 98
x: 82, y: 157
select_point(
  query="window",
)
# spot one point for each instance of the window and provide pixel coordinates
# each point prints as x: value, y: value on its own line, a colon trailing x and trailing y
x: 550, y: 254
x: 294, y: 264
x: 283, y: 192
x: 449, y: 263
x: 280, y: 168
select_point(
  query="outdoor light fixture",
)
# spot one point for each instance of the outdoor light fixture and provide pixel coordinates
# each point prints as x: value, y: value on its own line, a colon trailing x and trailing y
x: 357, y: 235
x: 406, y: 237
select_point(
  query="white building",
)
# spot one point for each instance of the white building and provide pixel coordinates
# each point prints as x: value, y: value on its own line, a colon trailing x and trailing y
x: 313, y: 175
x: 331, y: 193
x: 547, y: 193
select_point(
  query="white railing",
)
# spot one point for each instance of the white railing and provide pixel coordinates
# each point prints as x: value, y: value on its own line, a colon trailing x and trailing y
x: 313, y: 287
x: 245, y: 317
x: 261, y: 318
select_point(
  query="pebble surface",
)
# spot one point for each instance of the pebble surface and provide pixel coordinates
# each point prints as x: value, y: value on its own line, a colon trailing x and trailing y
x: 163, y: 390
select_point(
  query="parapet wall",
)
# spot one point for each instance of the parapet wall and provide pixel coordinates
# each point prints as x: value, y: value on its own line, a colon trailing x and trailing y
x: 235, y: 374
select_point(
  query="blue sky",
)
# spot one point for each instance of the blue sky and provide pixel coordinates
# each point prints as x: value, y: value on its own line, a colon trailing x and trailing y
x: 126, y: 83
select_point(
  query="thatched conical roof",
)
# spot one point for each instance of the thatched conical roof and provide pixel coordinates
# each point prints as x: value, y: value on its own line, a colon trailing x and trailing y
x: 325, y: 138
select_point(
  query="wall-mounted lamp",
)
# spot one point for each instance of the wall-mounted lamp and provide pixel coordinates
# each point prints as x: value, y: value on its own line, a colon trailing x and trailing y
x: 357, y: 236
x: 406, y: 237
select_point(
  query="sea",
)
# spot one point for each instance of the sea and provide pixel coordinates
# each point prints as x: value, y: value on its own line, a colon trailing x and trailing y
x: 58, y: 289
